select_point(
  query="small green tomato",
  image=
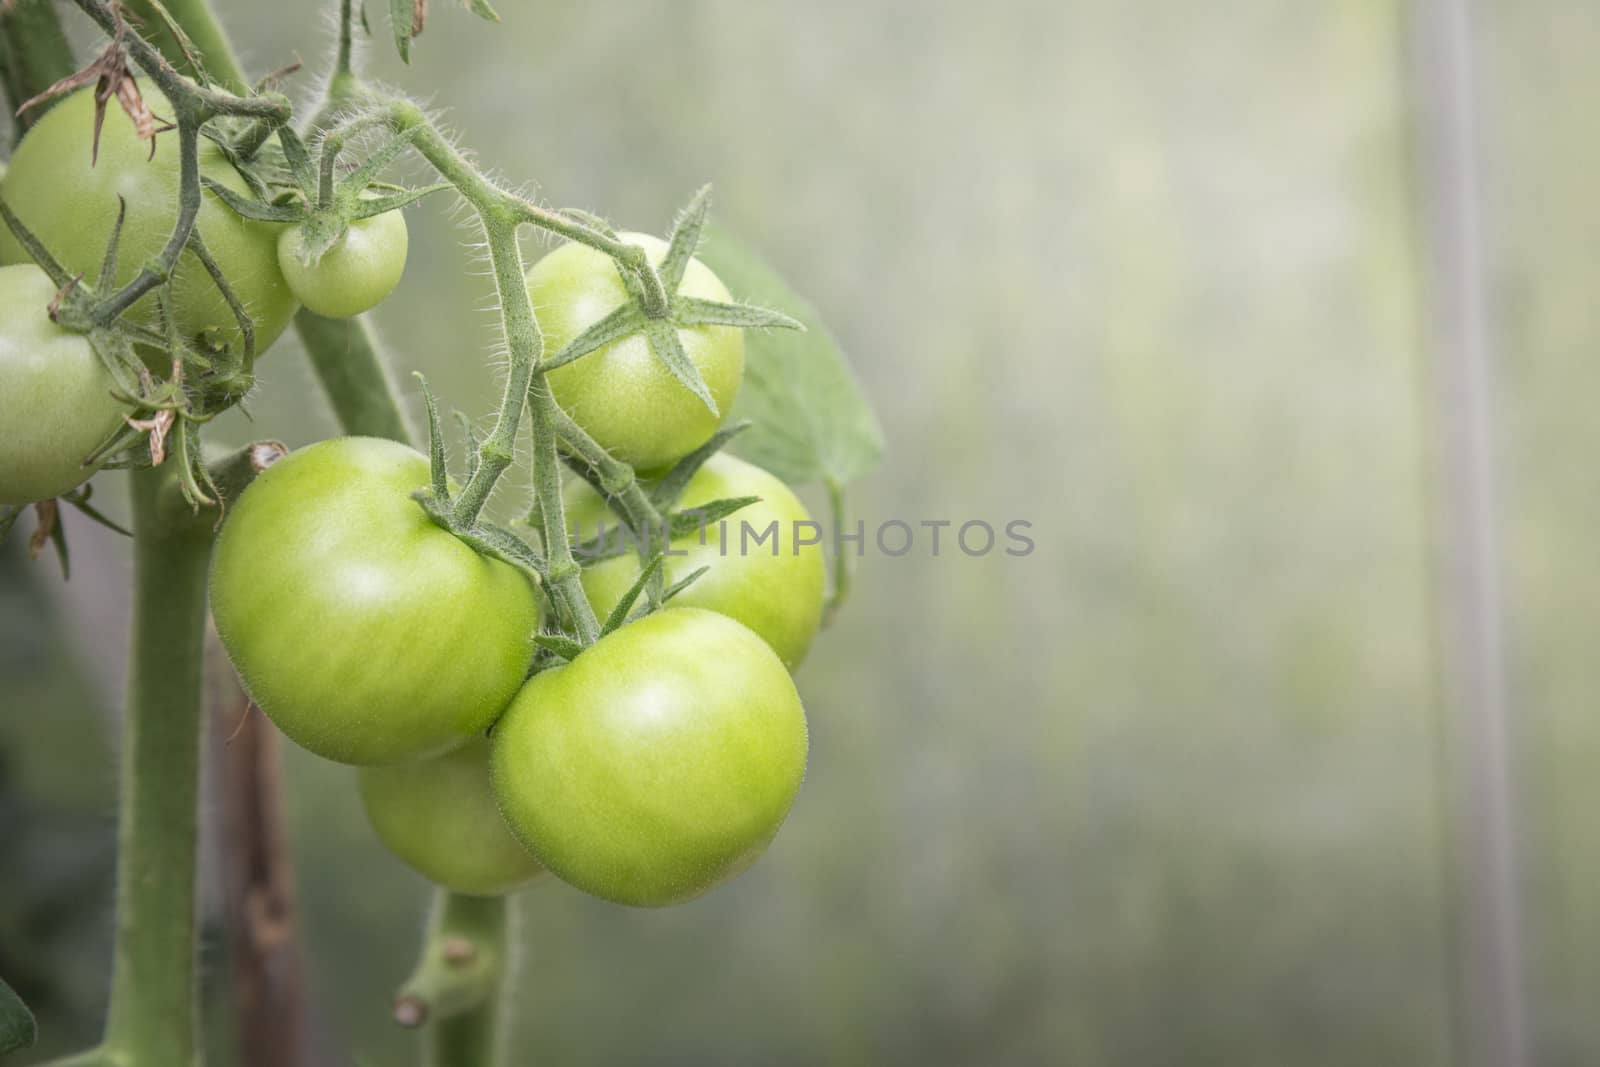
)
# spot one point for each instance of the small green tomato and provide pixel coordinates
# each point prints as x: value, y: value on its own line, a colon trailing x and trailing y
x: 622, y: 394
x: 440, y: 816
x: 56, y: 405
x: 353, y: 276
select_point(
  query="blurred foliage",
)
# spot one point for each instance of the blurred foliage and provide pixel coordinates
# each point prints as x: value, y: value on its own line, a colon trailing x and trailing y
x: 1165, y: 791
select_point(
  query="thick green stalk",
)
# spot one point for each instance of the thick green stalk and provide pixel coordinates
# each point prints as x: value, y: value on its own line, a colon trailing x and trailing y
x: 457, y: 983
x: 152, y: 1014
x: 205, y: 33
x: 352, y: 373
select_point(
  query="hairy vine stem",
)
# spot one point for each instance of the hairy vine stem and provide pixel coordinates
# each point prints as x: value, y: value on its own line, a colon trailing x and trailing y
x: 195, y: 105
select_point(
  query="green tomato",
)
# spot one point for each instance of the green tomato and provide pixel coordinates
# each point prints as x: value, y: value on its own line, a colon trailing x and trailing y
x: 621, y: 393
x: 369, y: 634
x: 440, y: 816
x: 353, y: 276
x: 656, y: 765
x: 55, y: 395
x: 71, y: 206
x: 775, y: 587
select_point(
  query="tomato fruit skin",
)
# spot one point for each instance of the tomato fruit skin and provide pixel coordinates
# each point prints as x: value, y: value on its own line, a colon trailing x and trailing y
x: 440, y: 817
x: 72, y: 206
x: 55, y: 395
x: 353, y: 276
x: 656, y: 765
x: 623, y: 395
x: 368, y: 634
x: 778, y: 595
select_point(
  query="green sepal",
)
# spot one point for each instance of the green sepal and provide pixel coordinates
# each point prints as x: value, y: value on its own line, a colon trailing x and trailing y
x: 685, y: 239
x: 439, y: 474
x: 368, y: 207
x: 672, y: 484
x: 58, y: 539
x: 108, y: 264
x: 482, y: 9
x: 693, y: 311
x: 500, y: 543
x: 79, y: 498
x: 619, y: 614
x: 683, y: 583
x: 9, y: 514
x: 258, y: 210
x: 469, y: 434
x: 663, y: 337
x: 298, y: 158
x: 622, y: 322
x: 375, y: 164
x: 246, y: 324
x: 559, y: 644
x: 693, y: 520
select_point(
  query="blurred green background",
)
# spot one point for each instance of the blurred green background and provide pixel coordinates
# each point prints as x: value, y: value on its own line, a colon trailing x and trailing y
x: 1169, y: 789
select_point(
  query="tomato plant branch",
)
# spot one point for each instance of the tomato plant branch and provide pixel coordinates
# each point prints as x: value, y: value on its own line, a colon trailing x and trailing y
x: 457, y: 981
x: 194, y: 104
x: 151, y: 1020
x: 352, y: 372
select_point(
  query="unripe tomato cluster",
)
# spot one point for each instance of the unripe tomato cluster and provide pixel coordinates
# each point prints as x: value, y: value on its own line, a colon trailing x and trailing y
x: 56, y: 403
x: 655, y: 765
x: 645, y: 769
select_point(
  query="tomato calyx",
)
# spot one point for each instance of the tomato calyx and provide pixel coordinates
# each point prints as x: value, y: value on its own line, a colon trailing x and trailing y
x: 660, y: 314
x: 485, y: 537
x: 316, y: 199
x: 165, y: 413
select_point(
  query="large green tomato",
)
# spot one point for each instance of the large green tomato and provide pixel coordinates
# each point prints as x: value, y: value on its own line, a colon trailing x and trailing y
x: 656, y: 765
x: 440, y: 816
x: 775, y: 587
x: 366, y: 632
x: 72, y: 206
x: 622, y: 394
x: 55, y: 395
x: 353, y: 276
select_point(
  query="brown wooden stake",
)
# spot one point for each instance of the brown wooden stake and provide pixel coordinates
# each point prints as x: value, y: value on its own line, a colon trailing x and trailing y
x: 255, y: 869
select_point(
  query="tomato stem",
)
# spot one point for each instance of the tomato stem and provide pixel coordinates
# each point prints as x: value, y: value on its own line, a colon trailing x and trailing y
x: 151, y: 1019
x: 457, y: 983
x: 353, y: 375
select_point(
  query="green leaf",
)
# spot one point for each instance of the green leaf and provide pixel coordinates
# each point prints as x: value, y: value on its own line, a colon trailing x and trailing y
x: 17, y: 1028
x: 812, y: 421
